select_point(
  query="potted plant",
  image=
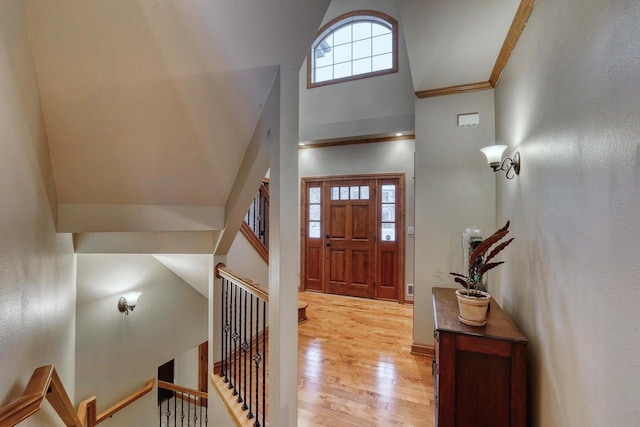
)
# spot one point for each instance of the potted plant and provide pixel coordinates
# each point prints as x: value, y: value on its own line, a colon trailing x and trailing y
x: 472, y: 302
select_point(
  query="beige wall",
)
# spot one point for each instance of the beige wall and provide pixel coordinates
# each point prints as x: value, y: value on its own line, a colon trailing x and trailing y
x: 454, y: 189
x: 186, y: 368
x: 117, y: 354
x: 37, y: 266
x: 245, y: 260
x: 568, y: 101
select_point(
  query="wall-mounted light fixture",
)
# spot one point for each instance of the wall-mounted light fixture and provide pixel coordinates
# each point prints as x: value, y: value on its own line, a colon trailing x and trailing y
x: 510, y: 164
x: 128, y: 302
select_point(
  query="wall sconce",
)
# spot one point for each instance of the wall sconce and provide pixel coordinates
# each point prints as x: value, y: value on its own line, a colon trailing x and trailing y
x: 128, y: 302
x: 510, y: 164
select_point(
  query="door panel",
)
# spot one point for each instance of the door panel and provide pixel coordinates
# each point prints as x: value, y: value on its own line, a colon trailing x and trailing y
x: 314, y: 267
x: 337, y: 265
x: 338, y: 222
x: 361, y: 223
x: 360, y: 269
x: 351, y: 225
x: 313, y: 249
x: 389, y: 249
x: 387, y: 283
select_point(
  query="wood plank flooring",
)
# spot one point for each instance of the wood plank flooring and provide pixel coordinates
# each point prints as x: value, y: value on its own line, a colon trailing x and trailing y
x: 355, y: 366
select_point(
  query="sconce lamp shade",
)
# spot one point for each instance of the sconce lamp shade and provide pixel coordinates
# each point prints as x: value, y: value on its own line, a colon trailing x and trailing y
x: 132, y: 298
x: 128, y: 302
x: 494, y: 154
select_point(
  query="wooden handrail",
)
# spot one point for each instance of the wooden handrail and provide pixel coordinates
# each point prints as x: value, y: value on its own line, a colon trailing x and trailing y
x: 247, y: 284
x: 125, y: 402
x: 44, y: 382
x: 87, y: 411
x: 180, y: 389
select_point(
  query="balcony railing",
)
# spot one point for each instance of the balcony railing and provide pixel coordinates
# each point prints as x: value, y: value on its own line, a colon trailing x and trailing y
x: 256, y: 222
x: 186, y: 408
x: 243, y: 368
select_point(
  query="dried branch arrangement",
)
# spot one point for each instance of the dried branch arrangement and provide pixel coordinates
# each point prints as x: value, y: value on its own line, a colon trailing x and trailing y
x: 478, y: 263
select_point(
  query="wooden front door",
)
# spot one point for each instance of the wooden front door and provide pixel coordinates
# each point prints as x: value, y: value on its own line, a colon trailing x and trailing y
x: 352, y: 242
x: 349, y: 267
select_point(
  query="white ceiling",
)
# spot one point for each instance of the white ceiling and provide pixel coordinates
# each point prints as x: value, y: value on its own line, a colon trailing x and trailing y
x: 454, y: 42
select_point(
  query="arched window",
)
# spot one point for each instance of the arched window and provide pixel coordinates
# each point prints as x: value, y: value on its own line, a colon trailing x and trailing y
x: 357, y: 44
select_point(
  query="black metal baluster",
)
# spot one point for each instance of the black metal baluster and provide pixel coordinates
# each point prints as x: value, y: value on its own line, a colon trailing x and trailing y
x: 189, y: 411
x: 263, y: 216
x: 235, y: 339
x: 206, y: 415
x: 244, y: 353
x: 231, y: 348
x: 257, y: 358
x: 264, y: 364
x: 253, y: 215
x: 182, y: 411
x: 250, y: 414
x: 195, y: 409
x: 224, y: 319
x: 226, y: 338
x: 160, y: 413
x: 168, y: 414
x: 238, y: 355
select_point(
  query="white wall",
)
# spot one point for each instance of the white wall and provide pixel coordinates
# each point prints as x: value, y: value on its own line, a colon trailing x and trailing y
x: 568, y: 101
x: 245, y: 260
x: 186, y: 368
x: 117, y: 354
x: 362, y: 107
x: 37, y: 266
x: 377, y: 157
x: 454, y: 189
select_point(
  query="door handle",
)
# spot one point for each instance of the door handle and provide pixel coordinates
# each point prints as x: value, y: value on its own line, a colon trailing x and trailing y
x: 328, y: 244
x: 328, y: 236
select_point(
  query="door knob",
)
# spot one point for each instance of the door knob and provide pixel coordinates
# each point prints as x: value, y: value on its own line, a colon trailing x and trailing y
x: 328, y: 244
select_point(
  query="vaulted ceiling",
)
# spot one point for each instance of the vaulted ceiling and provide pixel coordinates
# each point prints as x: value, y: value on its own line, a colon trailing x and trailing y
x: 153, y: 103
x: 454, y: 42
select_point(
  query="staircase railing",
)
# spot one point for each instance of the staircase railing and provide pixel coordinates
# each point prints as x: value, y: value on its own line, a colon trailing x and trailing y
x: 187, y: 407
x: 123, y: 403
x: 255, y: 227
x: 242, y: 381
x: 45, y: 382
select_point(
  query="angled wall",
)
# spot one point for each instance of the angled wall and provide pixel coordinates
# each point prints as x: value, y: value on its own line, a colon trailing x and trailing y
x: 37, y: 266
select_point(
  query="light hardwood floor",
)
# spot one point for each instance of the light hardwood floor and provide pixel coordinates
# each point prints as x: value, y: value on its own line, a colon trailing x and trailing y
x: 355, y: 366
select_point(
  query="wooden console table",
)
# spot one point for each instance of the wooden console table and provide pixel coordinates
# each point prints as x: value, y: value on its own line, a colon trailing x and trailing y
x: 480, y: 372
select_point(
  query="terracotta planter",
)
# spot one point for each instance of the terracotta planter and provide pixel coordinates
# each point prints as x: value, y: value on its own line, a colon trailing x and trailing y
x: 473, y: 309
